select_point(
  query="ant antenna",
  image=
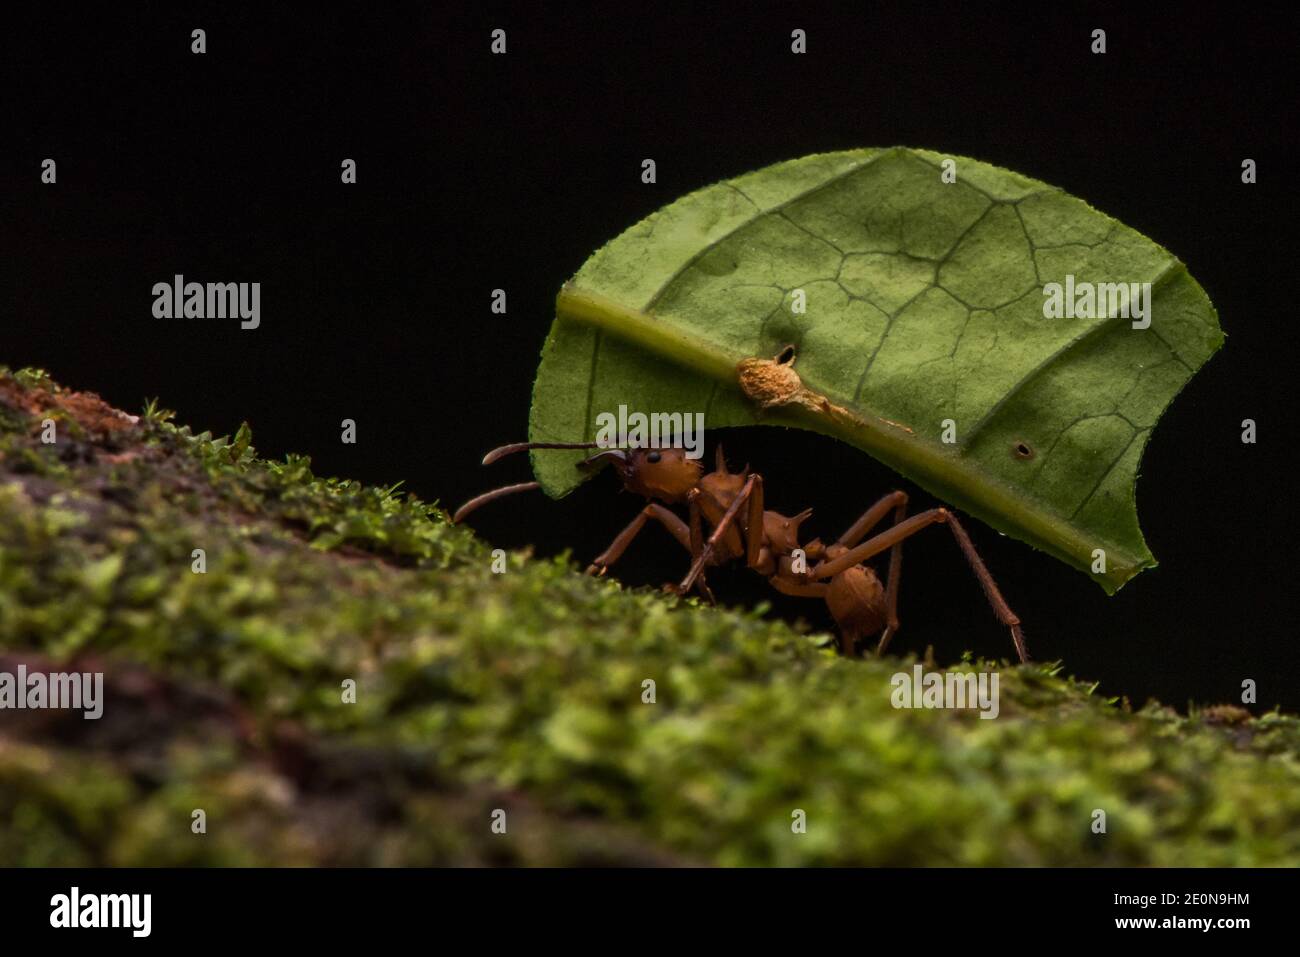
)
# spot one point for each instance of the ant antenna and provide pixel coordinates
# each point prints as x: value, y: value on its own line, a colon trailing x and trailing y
x: 492, y: 496
x: 500, y: 453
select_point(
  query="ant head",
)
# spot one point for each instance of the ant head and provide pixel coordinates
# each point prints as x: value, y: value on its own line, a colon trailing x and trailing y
x: 664, y: 474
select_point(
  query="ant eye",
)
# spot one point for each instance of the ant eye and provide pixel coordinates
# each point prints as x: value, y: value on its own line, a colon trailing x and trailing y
x: 653, y: 457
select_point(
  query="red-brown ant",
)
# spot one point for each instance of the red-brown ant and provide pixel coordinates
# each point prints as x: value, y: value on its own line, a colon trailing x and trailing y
x: 732, y: 505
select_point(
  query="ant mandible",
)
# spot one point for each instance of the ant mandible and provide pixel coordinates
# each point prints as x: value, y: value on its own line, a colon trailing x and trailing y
x: 732, y: 505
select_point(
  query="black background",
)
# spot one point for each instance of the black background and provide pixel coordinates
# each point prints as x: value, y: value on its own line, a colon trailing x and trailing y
x: 478, y: 171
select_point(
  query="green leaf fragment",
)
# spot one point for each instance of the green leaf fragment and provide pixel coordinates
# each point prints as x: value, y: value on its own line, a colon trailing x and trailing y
x: 923, y: 302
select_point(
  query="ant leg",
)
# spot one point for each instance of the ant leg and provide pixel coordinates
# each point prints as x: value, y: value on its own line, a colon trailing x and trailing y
x: 676, y: 527
x: 697, y: 567
x: 899, y: 500
x: 696, y: 543
x: 996, y: 601
x: 754, y: 523
x: 911, y: 526
x: 697, y: 524
x: 869, y: 520
x: 895, y: 580
x: 873, y: 516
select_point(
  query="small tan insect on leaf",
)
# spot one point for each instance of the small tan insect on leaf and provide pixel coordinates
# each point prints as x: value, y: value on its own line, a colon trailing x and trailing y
x: 774, y: 382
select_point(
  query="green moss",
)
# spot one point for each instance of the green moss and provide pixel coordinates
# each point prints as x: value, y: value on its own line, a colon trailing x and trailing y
x: 520, y: 691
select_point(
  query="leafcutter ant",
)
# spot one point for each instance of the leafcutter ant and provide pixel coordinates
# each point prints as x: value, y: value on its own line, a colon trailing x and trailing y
x: 731, y: 504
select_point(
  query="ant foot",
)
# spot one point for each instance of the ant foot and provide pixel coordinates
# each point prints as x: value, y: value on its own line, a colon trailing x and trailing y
x: 1018, y: 637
